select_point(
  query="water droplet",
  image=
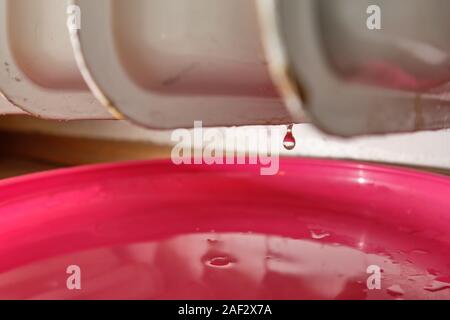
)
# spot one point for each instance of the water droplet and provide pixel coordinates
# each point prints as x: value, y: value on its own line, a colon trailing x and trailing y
x: 416, y: 277
x: 336, y: 244
x: 418, y: 251
x: 212, y: 241
x: 319, y: 235
x: 219, y: 262
x: 395, y: 291
x: 433, y: 272
x: 436, y: 286
x: 289, y: 140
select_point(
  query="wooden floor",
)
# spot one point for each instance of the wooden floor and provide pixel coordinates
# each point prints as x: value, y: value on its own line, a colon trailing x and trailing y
x: 15, y: 166
x: 22, y: 153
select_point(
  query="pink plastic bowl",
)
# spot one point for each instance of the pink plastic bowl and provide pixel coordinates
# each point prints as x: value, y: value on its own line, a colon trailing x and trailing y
x: 153, y: 230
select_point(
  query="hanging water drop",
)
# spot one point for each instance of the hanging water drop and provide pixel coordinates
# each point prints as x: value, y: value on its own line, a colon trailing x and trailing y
x: 289, y: 140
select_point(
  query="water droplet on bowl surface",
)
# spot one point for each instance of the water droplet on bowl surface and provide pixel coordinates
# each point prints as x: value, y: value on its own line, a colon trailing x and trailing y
x: 433, y: 272
x: 416, y: 277
x: 212, y: 241
x: 418, y: 251
x: 395, y: 291
x: 319, y: 235
x: 219, y: 262
x: 436, y: 286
